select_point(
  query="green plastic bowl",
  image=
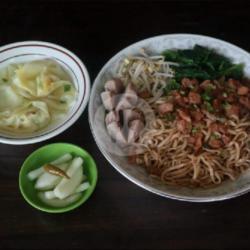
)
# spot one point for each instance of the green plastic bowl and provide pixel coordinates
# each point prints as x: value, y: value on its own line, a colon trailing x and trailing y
x: 47, y: 154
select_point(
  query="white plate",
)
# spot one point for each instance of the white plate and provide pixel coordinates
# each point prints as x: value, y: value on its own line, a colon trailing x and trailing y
x: 137, y: 174
x: 37, y: 50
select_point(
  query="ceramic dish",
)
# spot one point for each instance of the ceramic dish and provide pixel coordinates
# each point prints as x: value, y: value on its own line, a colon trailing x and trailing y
x: 35, y: 50
x: 47, y: 154
x: 137, y: 175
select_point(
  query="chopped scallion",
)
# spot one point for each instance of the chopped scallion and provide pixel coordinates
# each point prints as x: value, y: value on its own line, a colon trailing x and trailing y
x: 205, y: 96
x: 194, y: 130
x: 209, y: 106
x: 67, y: 88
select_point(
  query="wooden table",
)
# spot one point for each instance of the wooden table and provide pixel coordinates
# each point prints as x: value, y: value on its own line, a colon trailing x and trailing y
x: 119, y: 215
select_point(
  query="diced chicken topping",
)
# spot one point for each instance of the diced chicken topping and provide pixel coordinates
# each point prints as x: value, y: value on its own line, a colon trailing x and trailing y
x: 184, y: 115
x: 205, y: 84
x: 242, y: 90
x: 179, y: 100
x: 215, y: 143
x: 189, y: 83
x: 233, y: 84
x: 182, y: 125
x: 198, y: 142
x: 217, y: 127
x: 245, y: 101
x: 232, y: 110
x: 231, y: 98
x: 165, y: 108
x: 216, y: 104
x: 194, y: 98
x: 197, y: 115
x: 191, y: 140
x: 225, y: 139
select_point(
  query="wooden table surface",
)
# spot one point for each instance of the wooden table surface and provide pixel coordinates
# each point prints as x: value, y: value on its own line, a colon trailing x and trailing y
x: 119, y: 215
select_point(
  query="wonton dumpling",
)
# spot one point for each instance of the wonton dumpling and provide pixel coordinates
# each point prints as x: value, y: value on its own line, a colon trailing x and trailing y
x: 7, y: 73
x: 34, y: 94
x: 25, y: 77
x: 8, y: 98
x: 40, y: 79
x: 29, y: 118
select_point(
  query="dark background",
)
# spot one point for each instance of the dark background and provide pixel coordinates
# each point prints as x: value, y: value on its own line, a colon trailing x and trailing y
x: 119, y: 215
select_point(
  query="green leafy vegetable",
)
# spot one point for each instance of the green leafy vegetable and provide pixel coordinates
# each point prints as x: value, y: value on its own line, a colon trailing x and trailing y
x: 202, y: 63
x: 190, y: 72
x: 172, y: 85
x: 235, y: 71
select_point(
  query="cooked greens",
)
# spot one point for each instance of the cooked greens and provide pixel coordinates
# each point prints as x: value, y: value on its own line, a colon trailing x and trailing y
x: 202, y: 63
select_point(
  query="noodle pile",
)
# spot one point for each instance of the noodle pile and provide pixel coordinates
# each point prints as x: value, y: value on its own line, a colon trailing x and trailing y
x: 169, y: 156
x: 167, y: 153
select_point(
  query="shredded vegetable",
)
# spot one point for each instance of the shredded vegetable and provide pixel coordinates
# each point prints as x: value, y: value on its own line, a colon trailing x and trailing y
x: 150, y: 73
